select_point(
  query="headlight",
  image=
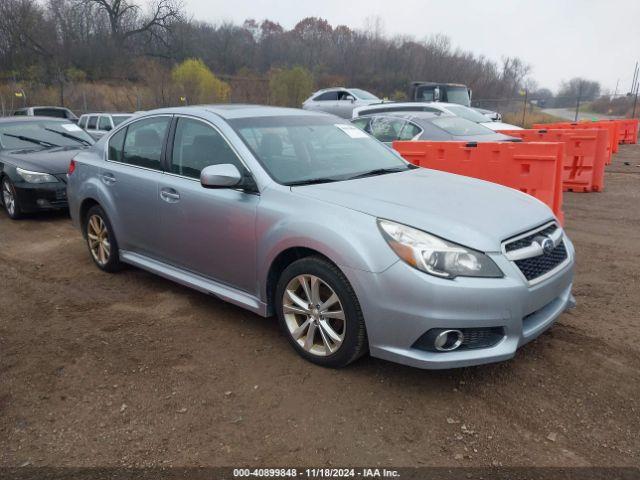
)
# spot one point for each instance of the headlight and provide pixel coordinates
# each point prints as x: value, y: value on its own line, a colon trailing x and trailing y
x: 36, y: 177
x: 436, y: 256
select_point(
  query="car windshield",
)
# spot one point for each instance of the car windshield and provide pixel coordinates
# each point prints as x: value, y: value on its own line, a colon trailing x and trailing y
x: 304, y: 149
x: 46, y: 133
x: 118, y: 119
x: 468, y: 113
x: 459, y: 95
x: 460, y: 126
x: 363, y: 94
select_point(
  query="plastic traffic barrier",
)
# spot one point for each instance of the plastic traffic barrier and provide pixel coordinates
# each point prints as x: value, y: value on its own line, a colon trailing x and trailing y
x: 533, y: 168
x: 612, y: 127
x: 585, y: 153
x: 627, y: 130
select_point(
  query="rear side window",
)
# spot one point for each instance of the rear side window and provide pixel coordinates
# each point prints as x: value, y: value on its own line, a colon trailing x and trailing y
x: 116, y: 145
x: 93, y: 122
x: 50, y: 112
x: 196, y: 146
x: 326, y: 96
x: 409, y: 131
x: 361, y: 123
x: 387, y: 129
x: 104, y: 124
x: 20, y: 112
x: 460, y: 126
x: 144, y: 141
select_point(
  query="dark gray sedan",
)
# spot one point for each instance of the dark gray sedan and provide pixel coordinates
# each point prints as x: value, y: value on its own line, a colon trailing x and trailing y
x: 35, y: 153
x: 392, y: 126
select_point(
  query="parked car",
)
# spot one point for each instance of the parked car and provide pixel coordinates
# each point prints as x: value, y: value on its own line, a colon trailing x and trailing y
x: 302, y: 215
x: 97, y: 124
x: 423, y: 125
x: 446, y: 108
x: 447, y: 92
x: 57, y: 112
x: 34, y: 157
x: 339, y: 101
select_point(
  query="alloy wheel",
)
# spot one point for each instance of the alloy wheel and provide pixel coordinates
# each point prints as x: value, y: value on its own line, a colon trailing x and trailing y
x: 314, y: 315
x: 98, y: 238
x: 7, y: 198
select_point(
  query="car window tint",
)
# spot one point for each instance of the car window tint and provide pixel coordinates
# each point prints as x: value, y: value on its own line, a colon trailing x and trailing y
x: 326, y: 96
x: 50, y: 112
x: 460, y: 126
x: 344, y: 95
x: 118, y: 119
x: 105, y: 123
x: 82, y: 123
x: 387, y: 129
x: 198, y: 145
x: 144, y: 140
x: 93, y: 122
x: 116, y: 144
x: 20, y: 112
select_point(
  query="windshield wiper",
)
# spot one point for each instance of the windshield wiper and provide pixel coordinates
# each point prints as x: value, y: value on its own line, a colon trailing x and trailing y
x: 312, y: 181
x: 42, y: 143
x: 68, y: 135
x: 379, y: 171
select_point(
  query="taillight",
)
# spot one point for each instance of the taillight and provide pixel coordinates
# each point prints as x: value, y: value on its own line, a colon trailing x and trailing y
x: 72, y: 167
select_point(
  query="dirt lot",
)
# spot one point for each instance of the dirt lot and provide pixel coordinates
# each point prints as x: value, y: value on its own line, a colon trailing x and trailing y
x: 130, y: 369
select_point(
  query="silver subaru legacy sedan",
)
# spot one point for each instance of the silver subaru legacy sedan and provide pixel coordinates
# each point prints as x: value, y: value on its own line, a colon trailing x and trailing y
x: 304, y: 216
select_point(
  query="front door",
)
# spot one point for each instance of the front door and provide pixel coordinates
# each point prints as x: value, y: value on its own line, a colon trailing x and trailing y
x: 210, y: 232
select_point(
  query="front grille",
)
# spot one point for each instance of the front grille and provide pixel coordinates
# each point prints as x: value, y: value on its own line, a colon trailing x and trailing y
x: 535, y: 267
x: 526, y: 241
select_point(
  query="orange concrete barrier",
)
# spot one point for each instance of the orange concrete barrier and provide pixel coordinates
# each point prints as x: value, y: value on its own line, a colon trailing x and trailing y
x: 611, y: 127
x: 533, y: 168
x: 585, y: 153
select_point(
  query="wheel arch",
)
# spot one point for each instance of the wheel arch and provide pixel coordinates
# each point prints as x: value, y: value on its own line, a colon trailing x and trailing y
x: 85, y: 206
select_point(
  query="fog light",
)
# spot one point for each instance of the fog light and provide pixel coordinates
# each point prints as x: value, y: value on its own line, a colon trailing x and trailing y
x: 448, y: 340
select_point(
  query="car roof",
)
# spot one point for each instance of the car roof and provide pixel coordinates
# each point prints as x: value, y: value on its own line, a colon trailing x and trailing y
x: 105, y: 113
x: 412, y: 115
x: 237, y: 110
x: 33, y: 118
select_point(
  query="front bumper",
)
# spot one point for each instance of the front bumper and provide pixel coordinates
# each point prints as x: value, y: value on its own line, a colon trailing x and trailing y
x: 34, y: 197
x: 402, y: 303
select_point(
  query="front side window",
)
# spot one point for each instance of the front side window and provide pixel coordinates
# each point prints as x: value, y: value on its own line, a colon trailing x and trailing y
x: 198, y: 145
x: 104, y: 124
x: 93, y: 122
x: 82, y: 123
x: 313, y: 149
x: 144, y: 141
x: 458, y: 95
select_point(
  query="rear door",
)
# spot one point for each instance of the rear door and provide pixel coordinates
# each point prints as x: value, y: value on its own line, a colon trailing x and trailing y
x: 131, y: 176
x: 208, y: 231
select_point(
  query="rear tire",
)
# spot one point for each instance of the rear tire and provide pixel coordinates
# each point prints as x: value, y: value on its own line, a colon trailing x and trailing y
x: 319, y: 313
x: 101, y: 241
x: 10, y: 199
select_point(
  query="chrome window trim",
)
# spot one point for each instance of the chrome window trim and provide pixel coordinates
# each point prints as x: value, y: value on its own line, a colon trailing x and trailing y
x: 513, y: 256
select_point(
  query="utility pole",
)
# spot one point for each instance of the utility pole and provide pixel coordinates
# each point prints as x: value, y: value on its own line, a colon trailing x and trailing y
x: 524, y: 109
x: 578, y: 102
x: 615, y: 92
x: 635, y: 100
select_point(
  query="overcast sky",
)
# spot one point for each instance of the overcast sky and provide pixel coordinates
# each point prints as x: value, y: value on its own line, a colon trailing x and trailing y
x: 595, y: 39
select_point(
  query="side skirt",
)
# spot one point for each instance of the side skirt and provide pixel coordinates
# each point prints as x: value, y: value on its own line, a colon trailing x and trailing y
x: 197, y: 282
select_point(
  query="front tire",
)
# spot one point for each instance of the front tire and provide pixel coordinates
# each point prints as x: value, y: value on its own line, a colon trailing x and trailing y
x: 101, y: 240
x: 320, y: 314
x: 10, y: 199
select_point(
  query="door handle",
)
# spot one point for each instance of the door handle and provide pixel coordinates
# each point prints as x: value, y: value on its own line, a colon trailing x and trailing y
x: 108, y: 178
x: 169, y: 195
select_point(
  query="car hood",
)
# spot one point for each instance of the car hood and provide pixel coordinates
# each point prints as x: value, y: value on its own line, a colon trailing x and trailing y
x: 47, y: 160
x: 497, y: 126
x: 465, y: 210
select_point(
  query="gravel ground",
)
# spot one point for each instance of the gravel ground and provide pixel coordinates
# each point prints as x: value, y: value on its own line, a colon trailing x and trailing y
x: 130, y: 369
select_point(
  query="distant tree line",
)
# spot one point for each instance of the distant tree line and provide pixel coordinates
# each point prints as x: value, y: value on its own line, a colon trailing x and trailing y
x: 62, y: 42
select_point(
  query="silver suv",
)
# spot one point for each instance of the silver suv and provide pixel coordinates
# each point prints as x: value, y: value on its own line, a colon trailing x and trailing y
x: 339, y: 101
x: 305, y: 216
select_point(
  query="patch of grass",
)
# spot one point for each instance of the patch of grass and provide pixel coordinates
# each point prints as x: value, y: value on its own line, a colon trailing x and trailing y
x: 533, y: 115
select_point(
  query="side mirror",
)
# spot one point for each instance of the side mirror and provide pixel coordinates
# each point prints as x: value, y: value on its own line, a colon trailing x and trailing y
x: 225, y: 175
